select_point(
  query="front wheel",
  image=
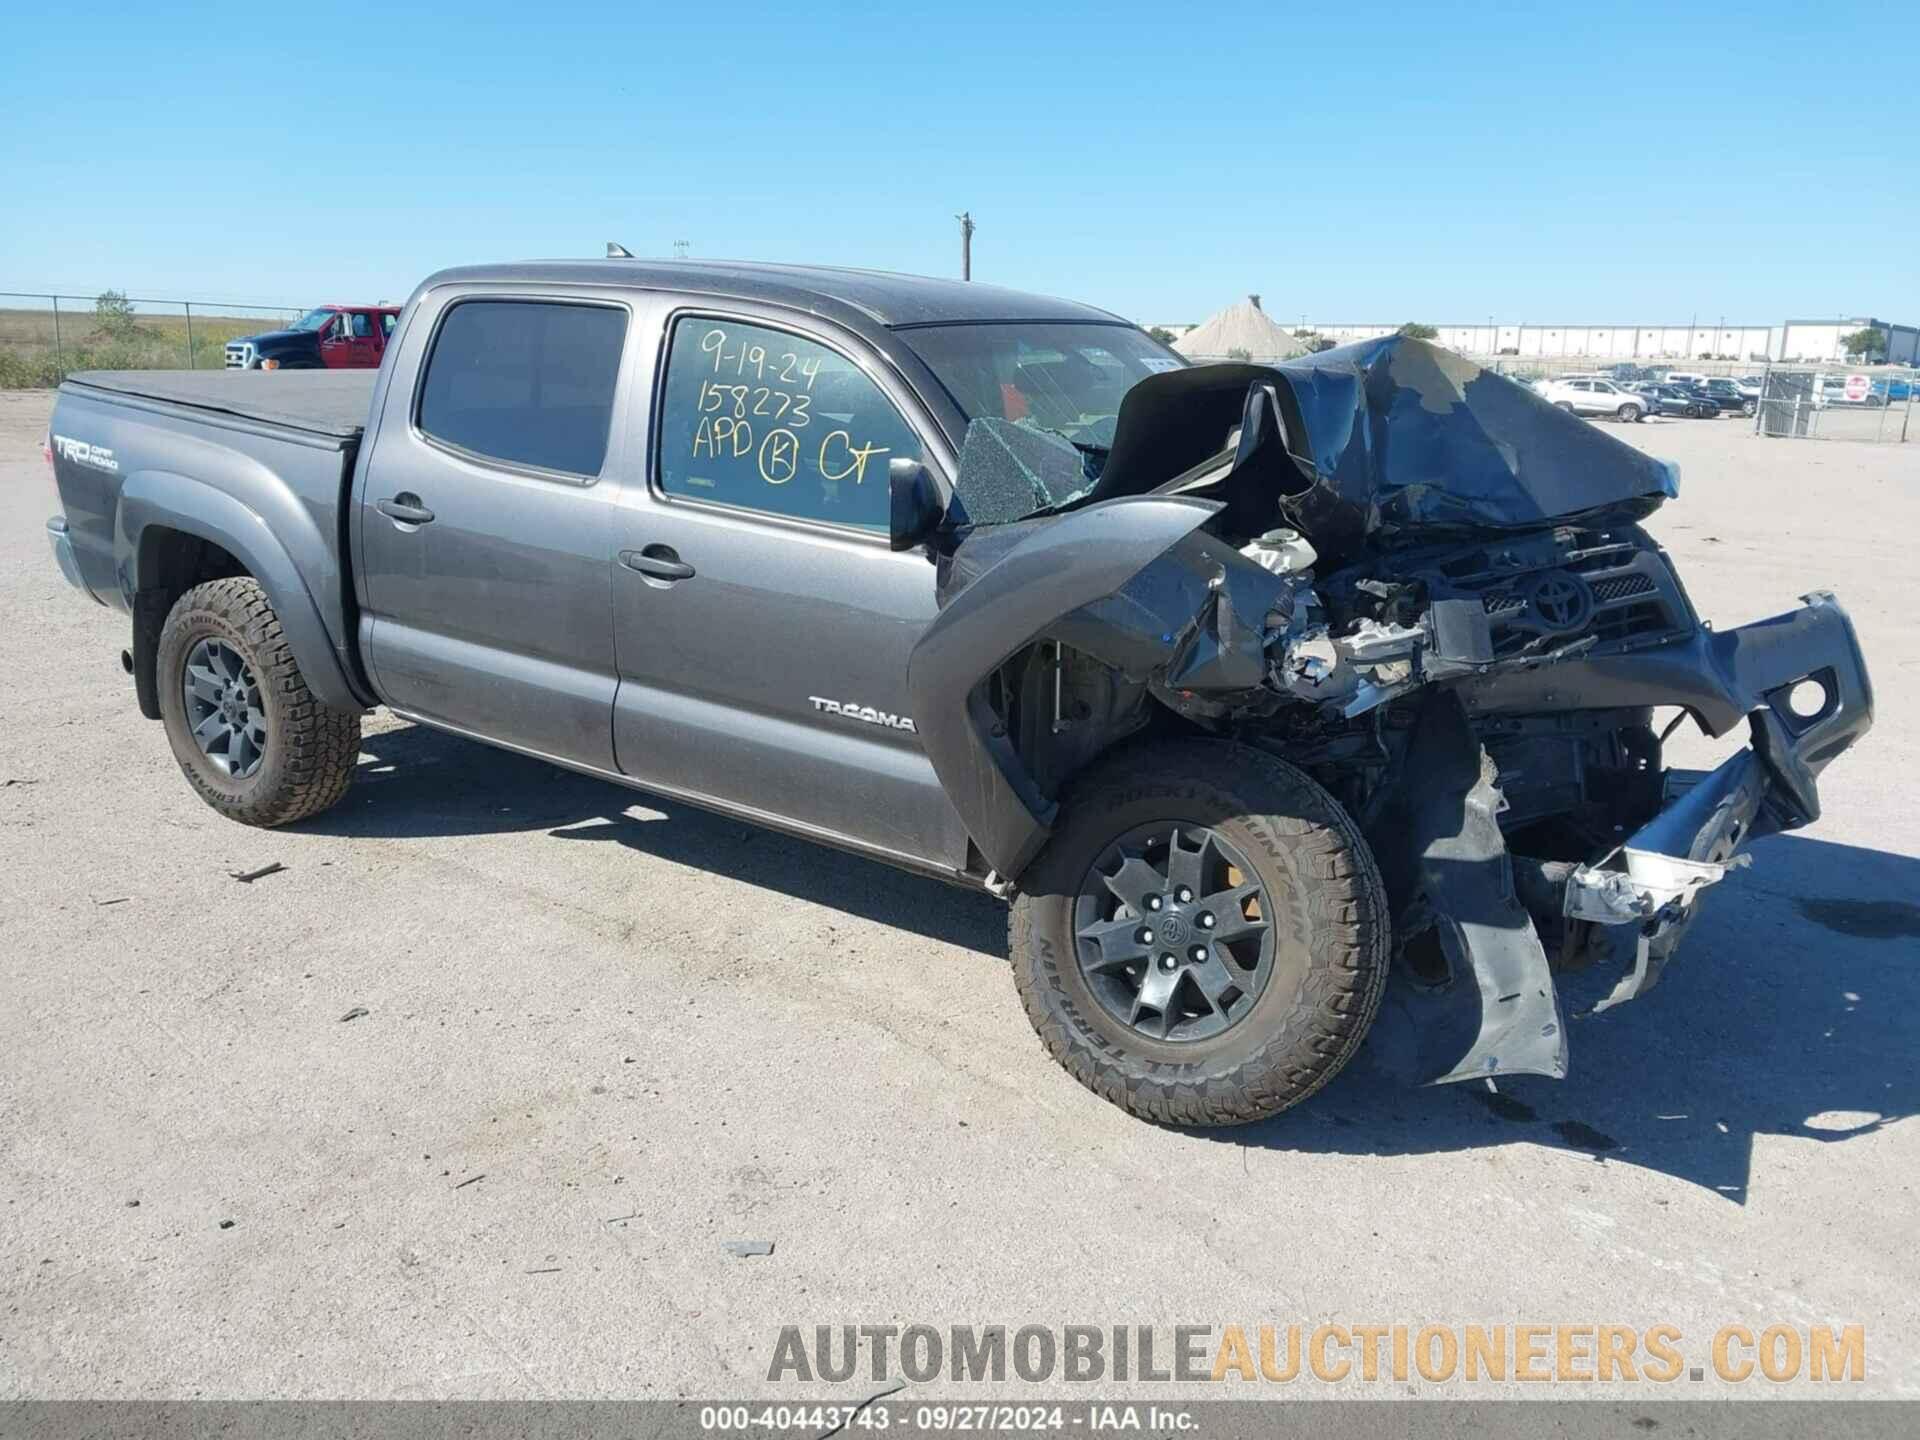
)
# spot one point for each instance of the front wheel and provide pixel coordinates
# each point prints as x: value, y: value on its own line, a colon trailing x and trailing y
x: 1204, y: 939
x: 1627, y: 414
x: 246, y: 731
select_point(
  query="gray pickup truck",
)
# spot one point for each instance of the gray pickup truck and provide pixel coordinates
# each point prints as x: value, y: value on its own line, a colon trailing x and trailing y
x: 1263, y: 693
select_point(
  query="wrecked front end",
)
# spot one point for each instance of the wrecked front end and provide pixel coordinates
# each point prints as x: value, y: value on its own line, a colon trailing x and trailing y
x: 1430, y: 590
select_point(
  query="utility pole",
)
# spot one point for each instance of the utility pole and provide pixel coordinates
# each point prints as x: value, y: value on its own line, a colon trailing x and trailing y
x: 965, y: 217
x: 680, y: 248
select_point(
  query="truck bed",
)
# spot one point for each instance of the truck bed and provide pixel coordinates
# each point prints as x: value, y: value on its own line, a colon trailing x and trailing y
x: 255, y: 463
x: 321, y: 402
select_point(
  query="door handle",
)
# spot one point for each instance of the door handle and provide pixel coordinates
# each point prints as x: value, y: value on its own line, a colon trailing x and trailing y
x: 406, y: 508
x: 662, y: 562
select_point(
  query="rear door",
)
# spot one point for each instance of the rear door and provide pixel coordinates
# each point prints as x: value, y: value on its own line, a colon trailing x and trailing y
x: 763, y: 625
x: 486, y: 528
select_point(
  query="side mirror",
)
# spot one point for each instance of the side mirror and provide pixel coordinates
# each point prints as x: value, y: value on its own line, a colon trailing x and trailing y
x: 914, y: 508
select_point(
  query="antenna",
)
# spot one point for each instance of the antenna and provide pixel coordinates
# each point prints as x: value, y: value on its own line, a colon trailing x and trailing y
x: 617, y: 251
x: 965, y: 217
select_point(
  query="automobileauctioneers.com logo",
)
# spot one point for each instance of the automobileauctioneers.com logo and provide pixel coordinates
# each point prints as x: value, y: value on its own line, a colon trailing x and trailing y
x: 1328, y: 1353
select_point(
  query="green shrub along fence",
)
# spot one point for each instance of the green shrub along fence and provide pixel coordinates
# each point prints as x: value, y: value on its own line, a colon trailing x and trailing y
x: 45, y: 338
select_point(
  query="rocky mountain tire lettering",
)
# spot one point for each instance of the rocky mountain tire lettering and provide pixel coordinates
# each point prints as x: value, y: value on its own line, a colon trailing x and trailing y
x: 866, y: 714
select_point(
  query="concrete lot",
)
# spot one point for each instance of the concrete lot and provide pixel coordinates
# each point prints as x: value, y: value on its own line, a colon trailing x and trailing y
x: 606, y: 1035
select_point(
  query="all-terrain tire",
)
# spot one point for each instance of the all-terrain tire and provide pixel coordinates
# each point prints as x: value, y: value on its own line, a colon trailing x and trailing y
x: 311, y: 748
x: 1328, y: 905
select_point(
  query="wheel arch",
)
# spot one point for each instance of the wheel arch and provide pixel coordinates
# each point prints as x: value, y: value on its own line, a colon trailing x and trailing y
x: 1068, y: 581
x: 173, y: 532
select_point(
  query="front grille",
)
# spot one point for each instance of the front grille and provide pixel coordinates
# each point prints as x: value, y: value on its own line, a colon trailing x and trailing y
x: 1621, y: 587
x: 1542, y: 591
x: 239, y: 355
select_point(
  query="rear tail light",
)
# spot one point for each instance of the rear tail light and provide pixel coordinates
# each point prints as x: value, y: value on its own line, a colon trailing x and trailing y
x: 46, y: 449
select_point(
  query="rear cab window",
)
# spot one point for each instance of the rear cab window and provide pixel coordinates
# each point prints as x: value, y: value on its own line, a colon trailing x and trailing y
x: 768, y: 421
x: 524, y: 382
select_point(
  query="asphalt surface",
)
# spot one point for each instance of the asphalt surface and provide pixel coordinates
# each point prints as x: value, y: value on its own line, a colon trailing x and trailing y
x: 604, y: 1035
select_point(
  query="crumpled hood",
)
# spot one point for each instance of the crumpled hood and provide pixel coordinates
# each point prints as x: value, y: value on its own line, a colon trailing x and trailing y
x: 1390, y: 436
x: 1415, y: 435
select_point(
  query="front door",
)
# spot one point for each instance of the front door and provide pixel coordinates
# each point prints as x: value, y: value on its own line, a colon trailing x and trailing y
x: 363, y: 340
x: 336, y: 342
x: 487, y: 533
x: 763, y: 625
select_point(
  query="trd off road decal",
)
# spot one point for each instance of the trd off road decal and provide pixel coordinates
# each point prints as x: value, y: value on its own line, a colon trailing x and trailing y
x: 99, y: 457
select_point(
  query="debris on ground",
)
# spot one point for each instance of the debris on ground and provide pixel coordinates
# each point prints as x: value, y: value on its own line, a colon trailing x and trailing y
x: 226, y: 1224
x: 746, y: 1248
x: 470, y: 1179
x: 355, y: 1013
x: 249, y: 876
x: 116, y: 900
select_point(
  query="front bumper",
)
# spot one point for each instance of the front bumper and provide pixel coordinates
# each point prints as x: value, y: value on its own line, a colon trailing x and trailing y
x: 1643, y: 896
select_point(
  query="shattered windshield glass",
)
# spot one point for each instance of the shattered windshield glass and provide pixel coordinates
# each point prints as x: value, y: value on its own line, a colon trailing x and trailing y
x: 1041, y: 399
x: 1009, y: 470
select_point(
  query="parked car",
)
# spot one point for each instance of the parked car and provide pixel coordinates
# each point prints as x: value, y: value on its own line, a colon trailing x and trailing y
x: 1676, y: 400
x: 1255, y: 690
x: 1726, y: 395
x: 332, y: 337
x: 1594, y: 396
x: 1684, y: 377
x: 1832, y: 390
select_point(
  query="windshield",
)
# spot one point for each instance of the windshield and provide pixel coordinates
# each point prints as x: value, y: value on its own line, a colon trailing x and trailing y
x: 1065, y: 378
x: 313, y: 320
x: 1041, y: 399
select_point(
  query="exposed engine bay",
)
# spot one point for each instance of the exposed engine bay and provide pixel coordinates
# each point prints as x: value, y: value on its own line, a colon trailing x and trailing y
x: 1429, y: 589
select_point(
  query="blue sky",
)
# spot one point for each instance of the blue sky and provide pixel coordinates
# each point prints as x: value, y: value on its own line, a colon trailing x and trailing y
x: 1351, y: 162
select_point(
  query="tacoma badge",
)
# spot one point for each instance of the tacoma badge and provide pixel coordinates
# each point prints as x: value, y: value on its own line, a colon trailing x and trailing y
x: 854, y: 710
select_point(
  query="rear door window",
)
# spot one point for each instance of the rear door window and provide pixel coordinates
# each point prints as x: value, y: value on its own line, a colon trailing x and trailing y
x: 525, y: 382
x: 766, y: 420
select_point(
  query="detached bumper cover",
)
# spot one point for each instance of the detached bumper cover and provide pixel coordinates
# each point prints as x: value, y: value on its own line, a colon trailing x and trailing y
x: 1646, y: 892
x: 1634, y: 904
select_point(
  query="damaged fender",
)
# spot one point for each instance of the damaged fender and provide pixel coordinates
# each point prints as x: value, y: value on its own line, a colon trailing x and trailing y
x: 1131, y: 582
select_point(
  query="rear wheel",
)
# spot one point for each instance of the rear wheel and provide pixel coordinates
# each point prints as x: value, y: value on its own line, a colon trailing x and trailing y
x: 245, y: 729
x: 1203, y: 941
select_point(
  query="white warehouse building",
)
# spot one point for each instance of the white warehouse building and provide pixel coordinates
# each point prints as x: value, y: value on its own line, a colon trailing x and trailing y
x: 1816, y: 341
x: 1591, y: 342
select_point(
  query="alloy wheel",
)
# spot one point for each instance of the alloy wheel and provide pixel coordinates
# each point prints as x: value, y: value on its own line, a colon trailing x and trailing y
x: 224, y: 709
x: 1174, y: 932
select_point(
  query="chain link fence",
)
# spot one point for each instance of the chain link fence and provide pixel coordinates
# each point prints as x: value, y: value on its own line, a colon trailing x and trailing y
x: 1833, y: 402
x: 45, y: 338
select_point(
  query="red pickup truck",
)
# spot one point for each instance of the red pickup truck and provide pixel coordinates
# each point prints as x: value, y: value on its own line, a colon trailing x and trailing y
x: 332, y: 337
